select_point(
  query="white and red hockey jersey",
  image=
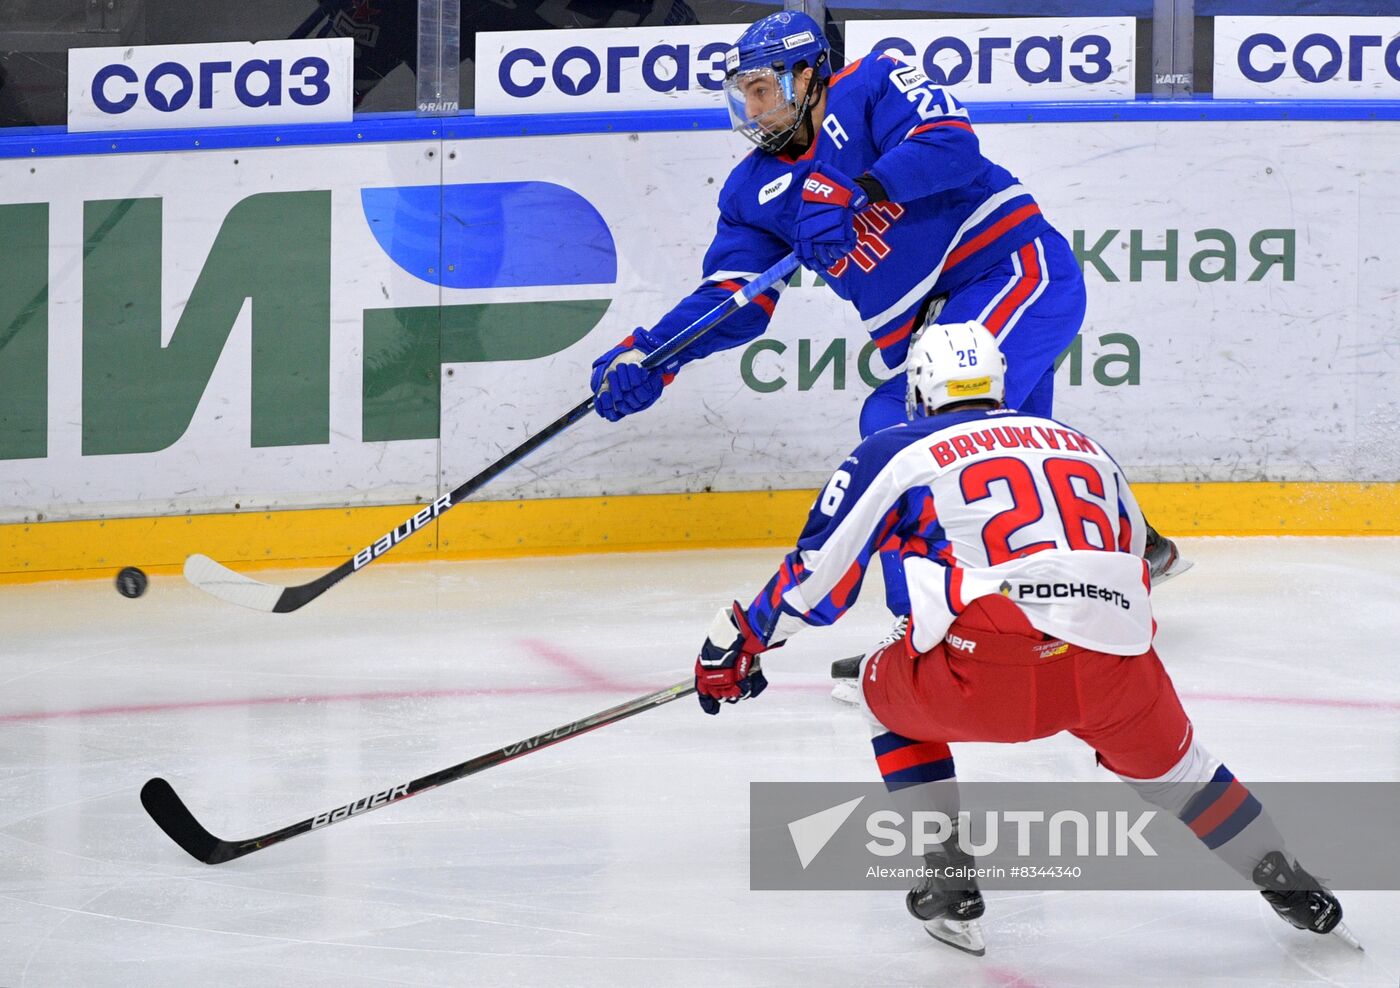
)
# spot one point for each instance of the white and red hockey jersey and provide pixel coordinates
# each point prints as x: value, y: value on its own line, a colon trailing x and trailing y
x: 979, y: 502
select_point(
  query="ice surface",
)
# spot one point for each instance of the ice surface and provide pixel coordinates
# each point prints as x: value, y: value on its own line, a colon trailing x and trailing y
x: 619, y: 857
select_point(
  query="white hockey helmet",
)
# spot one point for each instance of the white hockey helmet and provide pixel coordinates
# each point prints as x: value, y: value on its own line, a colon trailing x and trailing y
x: 953, y: 363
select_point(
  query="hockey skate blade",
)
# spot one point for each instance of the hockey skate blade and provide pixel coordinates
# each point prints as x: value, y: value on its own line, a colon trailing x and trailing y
x: 846, y: 691
x: 1176, y: 569
x: 846, y: 675
x: 217, y: 580
x: 964, y: 935
x: 1347, y: 937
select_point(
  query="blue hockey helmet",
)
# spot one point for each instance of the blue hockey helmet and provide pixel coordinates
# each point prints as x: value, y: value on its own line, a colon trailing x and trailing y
x: 759, y: 79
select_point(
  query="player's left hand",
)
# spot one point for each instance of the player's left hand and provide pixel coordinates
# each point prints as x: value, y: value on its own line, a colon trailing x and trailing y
x: 728, y: 667
x: 825, y: 230
x: 621, y: 385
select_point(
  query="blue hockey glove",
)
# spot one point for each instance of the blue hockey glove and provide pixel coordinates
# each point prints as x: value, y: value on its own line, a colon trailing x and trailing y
x: 620, y: 384
x: 825, y: 230
x: 728, y: 667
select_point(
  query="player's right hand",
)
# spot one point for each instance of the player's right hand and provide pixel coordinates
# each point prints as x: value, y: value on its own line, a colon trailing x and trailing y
x: 621, y: 385
x: 727, y: 668
x: 825, y: 228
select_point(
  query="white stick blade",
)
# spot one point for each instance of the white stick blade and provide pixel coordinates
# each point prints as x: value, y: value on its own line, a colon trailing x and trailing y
x: 218, y: 580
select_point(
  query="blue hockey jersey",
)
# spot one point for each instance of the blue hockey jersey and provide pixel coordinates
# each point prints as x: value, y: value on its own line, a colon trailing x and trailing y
x: 952, y: 213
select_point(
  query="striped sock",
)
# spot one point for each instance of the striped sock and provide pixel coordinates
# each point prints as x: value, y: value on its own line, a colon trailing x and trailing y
x: 1205, y: 795
x: 1232, y: 823
x: 1220, y: 810
x: 905, y: 762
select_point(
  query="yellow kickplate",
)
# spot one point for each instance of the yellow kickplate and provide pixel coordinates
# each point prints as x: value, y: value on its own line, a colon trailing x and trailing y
x: 647, y: 522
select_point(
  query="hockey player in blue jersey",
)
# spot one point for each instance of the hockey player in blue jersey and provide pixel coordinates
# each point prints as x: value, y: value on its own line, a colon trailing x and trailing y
x: 875, y: 179
x: 1031, y: 615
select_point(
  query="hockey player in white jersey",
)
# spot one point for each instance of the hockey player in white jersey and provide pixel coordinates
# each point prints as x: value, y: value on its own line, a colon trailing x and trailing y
x: 1031, y: 615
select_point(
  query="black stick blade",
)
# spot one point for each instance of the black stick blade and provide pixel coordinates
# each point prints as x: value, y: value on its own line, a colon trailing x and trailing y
x: 171, y: 815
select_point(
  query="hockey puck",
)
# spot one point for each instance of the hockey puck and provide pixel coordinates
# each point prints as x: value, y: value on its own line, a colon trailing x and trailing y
x: 131, y: 582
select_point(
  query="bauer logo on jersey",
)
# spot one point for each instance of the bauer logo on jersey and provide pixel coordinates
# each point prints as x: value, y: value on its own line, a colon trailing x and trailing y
x: 962, y: 644
x: 970, y: 387
x: 1022, y: 58
x: 774, y: 188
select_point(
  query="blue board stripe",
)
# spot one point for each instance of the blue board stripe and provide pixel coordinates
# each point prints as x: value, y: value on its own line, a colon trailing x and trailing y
x: 378, y: 128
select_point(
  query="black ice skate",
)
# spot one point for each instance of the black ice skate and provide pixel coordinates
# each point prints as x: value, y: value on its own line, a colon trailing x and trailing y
x: 1164, y: 561
x: 1299, y: 898
x: 948, y: 901
x: 847, y: 668
x: 846, y: 672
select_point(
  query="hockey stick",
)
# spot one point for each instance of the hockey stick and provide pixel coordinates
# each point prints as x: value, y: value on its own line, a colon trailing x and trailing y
x: 179, y: 824
x: 217, y: 579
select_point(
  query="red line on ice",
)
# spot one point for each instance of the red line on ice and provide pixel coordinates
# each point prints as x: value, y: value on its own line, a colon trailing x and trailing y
x: 596, y: 685
x: 586, y: 674
x: 264, y: 701
x: 1009, y: 978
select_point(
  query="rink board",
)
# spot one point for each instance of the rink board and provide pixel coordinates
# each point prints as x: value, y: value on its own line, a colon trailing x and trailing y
x: 645, y: 522
x: 1241, y: 278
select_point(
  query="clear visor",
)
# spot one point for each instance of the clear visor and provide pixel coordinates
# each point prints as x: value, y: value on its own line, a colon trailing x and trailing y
x: 761, y: 102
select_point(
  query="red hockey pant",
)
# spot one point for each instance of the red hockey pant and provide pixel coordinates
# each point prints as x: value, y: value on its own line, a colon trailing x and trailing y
x: 995, y: 678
